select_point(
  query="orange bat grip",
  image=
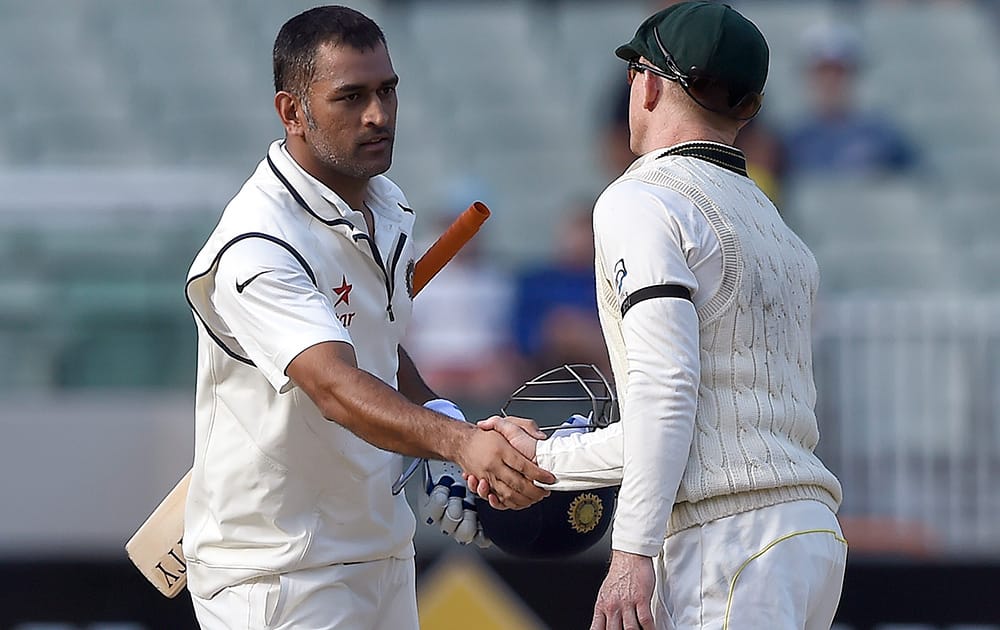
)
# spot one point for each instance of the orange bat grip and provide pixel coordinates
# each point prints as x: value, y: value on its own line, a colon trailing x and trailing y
x: 448, y: 244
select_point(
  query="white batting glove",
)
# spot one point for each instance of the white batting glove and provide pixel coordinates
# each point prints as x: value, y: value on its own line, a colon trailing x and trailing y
x: 447, y: 502
x: 574, y: 424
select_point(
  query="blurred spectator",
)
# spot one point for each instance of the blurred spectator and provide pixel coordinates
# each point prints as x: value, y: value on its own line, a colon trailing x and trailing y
x: 766, y: 159
x: 835, y: 137
x: 615, y: 152
x: 459, y: 335
x: 555, y: 307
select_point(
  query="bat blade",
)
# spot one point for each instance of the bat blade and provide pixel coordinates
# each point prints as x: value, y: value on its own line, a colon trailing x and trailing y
x: 155, y: 548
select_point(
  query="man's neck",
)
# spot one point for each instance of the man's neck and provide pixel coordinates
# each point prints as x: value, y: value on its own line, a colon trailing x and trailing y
x: 351, y: 189
x: 669, y: 136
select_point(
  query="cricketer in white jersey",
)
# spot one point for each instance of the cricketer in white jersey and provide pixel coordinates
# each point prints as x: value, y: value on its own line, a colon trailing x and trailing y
x: 275, y: 278
x: 301, y: 296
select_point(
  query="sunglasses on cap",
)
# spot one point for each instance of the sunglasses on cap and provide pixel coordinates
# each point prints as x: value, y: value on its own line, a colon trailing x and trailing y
x: 707, y: 92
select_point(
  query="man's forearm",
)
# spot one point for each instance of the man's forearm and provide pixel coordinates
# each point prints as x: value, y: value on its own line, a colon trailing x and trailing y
x: 582, y: 461
x: 378, y: 414
x: 372, y: 410
x: 661, y: 338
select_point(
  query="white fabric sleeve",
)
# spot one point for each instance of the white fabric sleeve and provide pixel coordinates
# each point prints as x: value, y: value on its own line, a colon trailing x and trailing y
x: 272, y: 307
x: 583, y: 461
x: 661, y: 338
x: 647, y: 237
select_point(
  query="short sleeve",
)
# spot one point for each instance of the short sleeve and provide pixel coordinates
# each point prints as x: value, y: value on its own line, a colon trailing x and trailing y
x: 272, y: 307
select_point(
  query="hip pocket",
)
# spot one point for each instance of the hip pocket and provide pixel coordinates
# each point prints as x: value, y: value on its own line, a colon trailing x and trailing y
x: 274, y: 600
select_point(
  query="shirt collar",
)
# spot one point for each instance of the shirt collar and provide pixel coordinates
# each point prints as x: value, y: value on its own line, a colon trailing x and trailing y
x: 721, y: 155
x: 336, y: 207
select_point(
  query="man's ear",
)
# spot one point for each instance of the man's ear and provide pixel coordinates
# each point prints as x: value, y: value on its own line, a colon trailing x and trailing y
x: 652, y: 90
x: 291, y: 113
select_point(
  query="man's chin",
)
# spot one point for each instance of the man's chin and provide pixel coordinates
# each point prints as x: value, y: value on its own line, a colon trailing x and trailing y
x: 371, y: 168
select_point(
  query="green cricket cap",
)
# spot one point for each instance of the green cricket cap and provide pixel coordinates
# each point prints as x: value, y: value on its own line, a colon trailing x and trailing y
x: 705, y: 39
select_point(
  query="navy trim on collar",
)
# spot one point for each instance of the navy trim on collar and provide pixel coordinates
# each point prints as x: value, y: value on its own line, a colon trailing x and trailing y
x: 729, y: 158
x: 301, y: 200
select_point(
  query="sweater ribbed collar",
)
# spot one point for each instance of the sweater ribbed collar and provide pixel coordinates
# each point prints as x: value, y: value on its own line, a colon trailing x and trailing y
x: 725, y: 156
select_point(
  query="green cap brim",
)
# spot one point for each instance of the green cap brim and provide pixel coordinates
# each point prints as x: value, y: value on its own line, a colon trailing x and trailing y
x: 627, y: 51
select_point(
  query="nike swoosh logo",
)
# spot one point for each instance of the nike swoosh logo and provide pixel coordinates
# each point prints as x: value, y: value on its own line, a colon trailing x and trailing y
x: 242, y: 285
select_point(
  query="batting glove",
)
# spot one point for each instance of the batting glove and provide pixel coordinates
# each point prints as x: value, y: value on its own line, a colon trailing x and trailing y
x: 447, y: 502
x: 574, y: 424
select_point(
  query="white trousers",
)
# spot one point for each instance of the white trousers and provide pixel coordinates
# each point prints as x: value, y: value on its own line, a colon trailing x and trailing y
x: 378, y: 595
x: 776, y: 568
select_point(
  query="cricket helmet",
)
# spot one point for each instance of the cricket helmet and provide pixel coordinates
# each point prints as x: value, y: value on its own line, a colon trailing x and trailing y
x: 566, y: 522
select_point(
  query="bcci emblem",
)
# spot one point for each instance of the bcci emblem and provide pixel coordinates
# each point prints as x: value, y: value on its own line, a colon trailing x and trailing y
x: 409, y: 278
x: 585, y: 512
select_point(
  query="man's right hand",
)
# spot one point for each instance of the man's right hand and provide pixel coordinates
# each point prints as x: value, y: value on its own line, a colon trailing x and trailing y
x: 496, y: 458
x: 523, y: 434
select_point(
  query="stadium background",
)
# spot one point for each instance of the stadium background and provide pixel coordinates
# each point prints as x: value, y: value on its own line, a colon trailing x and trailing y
x: 128, y: 124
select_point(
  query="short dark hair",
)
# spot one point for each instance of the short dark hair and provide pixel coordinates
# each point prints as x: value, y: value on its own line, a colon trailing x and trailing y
x: 300, y: 37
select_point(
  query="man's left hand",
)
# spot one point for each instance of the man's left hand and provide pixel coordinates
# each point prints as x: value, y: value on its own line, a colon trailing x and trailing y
x: 447, y: 502
x: 449, y: 505
x: 624, y: 601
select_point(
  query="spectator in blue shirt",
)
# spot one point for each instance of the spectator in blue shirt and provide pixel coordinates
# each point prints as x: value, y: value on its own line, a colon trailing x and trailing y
x: 555, y: 304
x: 836, y: 137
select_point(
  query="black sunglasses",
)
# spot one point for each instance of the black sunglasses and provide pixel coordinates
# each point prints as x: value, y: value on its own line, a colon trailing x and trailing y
x: 707, y: 92
x: 635, y: 67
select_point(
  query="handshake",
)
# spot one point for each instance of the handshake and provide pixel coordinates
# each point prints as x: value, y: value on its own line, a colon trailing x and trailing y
x: 498, y: 464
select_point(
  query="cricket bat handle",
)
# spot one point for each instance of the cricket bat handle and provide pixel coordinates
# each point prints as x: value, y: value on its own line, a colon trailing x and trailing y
x: 460, y: 232
x: 155, y: 548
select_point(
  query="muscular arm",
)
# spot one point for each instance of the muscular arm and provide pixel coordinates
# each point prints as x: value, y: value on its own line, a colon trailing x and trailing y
x: 288, y: 330
x: 372, y: 410
x: 328, y: 374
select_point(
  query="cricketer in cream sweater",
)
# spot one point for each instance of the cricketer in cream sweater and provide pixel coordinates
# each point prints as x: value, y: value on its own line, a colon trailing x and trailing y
x: 718, y: 389
x: 725, y: 515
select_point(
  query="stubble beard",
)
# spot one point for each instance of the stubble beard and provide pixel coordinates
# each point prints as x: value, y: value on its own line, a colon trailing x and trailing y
x: 347, y: 165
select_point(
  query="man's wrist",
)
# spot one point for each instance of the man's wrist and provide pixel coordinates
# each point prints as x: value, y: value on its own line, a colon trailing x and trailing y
x: 628, y: 558
x: 454, y: 436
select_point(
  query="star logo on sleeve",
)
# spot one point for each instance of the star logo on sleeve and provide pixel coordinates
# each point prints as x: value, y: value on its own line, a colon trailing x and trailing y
x: 343, y: 292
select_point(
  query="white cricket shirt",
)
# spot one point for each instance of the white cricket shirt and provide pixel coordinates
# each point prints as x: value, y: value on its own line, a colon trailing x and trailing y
x: 275, y: 486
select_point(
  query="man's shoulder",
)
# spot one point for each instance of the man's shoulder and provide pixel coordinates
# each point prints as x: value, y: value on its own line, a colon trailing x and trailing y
x: 263, y: 204
x: 649, y: 185
x: 262, y: 207
x: 261, y: 194
x: 628, y: 185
